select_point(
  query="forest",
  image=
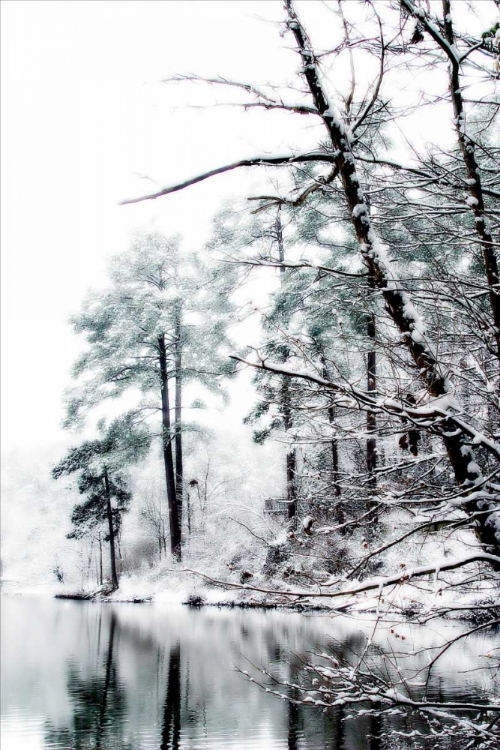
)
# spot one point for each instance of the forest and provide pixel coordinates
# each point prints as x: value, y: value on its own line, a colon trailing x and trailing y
x: 348, y: 312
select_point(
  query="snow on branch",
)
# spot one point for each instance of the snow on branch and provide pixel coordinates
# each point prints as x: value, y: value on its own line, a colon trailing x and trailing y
x: 419, y: 13
x: 298, y: 265
x: 256, y: 161
x: 435, y: 411
x: 370, y: 584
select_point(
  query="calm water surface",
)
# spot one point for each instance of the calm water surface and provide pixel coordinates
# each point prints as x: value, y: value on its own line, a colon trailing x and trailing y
x: 134, y: 677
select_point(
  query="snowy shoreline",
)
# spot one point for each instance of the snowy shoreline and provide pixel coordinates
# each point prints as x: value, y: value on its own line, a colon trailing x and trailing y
x: 400, y: 605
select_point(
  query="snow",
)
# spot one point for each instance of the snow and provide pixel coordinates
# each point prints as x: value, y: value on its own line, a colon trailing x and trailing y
x: 307, y: 522
x: 417, y: 336
x: 473, y: 468
x: 360, y: 209
x: 333, y: 114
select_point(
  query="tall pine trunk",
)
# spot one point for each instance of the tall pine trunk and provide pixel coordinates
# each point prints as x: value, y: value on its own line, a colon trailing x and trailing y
x: 371, y: 386
x: 109, y: 513
x: 334, y: 446
x: 286, y: 406
x: 100, y: 560
x: 175, y: 528
x: 179, y: 469
x: 371, y: 425
x: 291, y: 455
x: 371, y: 419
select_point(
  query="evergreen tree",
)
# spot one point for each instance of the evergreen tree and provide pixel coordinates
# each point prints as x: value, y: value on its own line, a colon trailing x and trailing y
x: 162, y: 320
x: 97, y: 464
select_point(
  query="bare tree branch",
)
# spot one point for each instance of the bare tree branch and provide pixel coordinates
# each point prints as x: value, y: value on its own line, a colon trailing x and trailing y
x: 256, y: 161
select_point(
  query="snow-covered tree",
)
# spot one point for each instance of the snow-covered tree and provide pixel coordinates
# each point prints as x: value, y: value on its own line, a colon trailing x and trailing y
x: 98, y: 464
x: 160, y: 325
x: 420, y: 232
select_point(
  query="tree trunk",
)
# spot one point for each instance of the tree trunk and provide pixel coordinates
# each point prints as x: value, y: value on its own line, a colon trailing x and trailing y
x: 339, y: 511
x: 100, y: 560
x: 164, y: 538
x: 467, y: 147
x: 291, y: 456
x: 371, y: 419
x: 175, y: 529
x: 371, y: 386
x: 398, y: 305
x: 335, y: 457
x: 188, y: 508
x: 179, y: 469
x: 286, y: 407
x: 468, y: 150
x: 291, y: 489
x: 109, y: 513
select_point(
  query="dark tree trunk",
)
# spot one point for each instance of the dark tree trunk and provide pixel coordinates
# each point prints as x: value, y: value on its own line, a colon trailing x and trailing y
x: 335, y: 456
x: 371, y: 419
x: 457, y: 443
x: 100, y: 560
x: 291, y: 489
x: 109, y: 513
x: 467, y: 147
x: 468, y: 150
x: 164, y: 538
x: 171, y: 729
x: 179, y: 469
x: 286, y: 406
x: 371, y: 386
x: 334, y: 446
x: 188, y: 508
x: 175, y: 529
x: 331, y: 419
x: 291, y: 456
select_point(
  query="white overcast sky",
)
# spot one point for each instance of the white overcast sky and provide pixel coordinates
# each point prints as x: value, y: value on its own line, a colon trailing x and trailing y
x: 84, y: 113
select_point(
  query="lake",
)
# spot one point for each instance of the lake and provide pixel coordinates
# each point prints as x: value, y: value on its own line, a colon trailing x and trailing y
x: 137, y: 676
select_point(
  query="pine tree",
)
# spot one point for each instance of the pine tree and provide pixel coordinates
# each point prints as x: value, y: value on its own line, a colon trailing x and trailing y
x: 162, y: 319
x: 97, y: 463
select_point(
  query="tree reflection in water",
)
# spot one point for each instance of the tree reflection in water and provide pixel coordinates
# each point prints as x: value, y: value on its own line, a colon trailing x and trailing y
x: 98, y: 704
x: 171, y: 729
x: 293, y: 710
x: 169, y: 679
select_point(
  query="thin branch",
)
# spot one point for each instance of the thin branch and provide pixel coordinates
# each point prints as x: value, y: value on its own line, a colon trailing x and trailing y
x: 256, y: 161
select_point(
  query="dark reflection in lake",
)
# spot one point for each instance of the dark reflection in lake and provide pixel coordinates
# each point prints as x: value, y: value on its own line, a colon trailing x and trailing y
x: 82, y: 675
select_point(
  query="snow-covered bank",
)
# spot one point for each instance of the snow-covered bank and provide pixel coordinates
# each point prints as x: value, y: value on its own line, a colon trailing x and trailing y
x: 418, y: 600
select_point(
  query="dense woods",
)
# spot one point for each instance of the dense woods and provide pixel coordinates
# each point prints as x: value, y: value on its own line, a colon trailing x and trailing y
x: 377, y: 372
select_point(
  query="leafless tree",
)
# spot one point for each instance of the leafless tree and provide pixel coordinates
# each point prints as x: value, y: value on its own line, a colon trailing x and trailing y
x: 154, y: 513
